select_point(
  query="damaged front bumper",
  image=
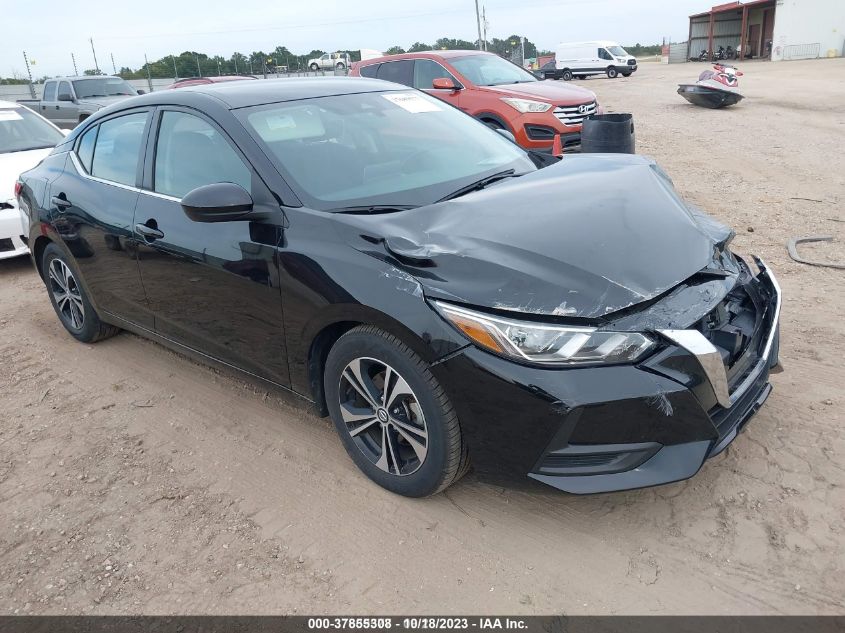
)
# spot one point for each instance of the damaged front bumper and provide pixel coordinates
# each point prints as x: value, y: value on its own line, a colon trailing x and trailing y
x: 608, y: 428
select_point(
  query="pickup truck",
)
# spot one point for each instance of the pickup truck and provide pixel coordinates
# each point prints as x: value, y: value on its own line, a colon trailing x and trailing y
x: 68, y: 100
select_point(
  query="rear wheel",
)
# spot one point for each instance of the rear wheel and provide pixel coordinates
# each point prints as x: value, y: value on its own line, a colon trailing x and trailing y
x: 392, y: 415
x: 612, y: 72
x: 69, y: 300
x: 566, y: 75
x: 340, y: 66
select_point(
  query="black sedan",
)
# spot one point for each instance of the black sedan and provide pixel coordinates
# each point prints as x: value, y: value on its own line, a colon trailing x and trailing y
x: 438, y: 291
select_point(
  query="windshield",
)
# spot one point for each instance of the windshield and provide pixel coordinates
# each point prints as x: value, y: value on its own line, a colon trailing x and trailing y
x: 397, y: 149
x: 618, y: 51
x: 490, y: 70
x: 22, y: 130
x: 102, y: 87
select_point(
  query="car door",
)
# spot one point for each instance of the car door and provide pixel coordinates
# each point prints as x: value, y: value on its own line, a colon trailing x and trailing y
x: 426, y: 71
x: 213, y: 287
x: 92, y: 206
x: 67, y: 112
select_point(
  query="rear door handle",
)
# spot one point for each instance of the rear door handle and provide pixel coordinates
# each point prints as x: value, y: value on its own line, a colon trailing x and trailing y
x: 60, y: 202
x: 148, y: 232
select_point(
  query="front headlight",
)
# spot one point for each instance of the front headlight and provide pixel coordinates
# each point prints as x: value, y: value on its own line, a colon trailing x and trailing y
x: 526, y: 105
x: 544, y: 343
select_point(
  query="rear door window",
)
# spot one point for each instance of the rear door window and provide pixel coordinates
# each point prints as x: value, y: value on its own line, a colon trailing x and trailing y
x: 370, y: 71
x: 64, y: 89
x: 49, y: 91
x: 400, y: 72
x: 118, y: 148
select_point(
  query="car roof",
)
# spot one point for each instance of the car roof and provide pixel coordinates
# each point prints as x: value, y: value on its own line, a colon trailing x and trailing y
x: 76, y: 77
x: 242, y: 94
x: 450, y: 54
x: 212, y: 80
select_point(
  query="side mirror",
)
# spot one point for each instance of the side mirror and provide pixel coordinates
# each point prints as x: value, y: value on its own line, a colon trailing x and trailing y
x: 65, y: 97
x: 141, y: 91
x: 444, y: 83
x: 220, y: 202
x: 507, y: 134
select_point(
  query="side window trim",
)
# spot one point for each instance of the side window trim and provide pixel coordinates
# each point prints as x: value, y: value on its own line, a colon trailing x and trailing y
x: 50, y: 84
x: 78, y: 144
x: 141, y: 162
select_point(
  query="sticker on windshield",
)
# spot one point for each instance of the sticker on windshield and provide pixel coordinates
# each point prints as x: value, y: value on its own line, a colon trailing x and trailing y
x: 10, y: 115
x: 412, y: 102
x: 280, y: 122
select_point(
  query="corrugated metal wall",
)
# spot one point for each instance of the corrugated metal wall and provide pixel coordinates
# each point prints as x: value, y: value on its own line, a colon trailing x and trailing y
x: 678, y: 52
x: 727, y: 30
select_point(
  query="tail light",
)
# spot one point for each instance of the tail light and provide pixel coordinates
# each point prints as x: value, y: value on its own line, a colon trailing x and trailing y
x: 18, y: 188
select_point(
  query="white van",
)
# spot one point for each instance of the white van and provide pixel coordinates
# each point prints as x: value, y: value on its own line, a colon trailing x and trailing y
x: 579, y: 59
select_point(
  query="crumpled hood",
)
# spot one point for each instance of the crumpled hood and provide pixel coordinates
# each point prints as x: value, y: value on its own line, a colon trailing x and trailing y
x: 588, y: 236
x: 13, y: 165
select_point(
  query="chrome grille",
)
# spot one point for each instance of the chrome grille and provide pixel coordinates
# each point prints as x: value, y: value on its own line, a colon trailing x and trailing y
x: 575, y: 114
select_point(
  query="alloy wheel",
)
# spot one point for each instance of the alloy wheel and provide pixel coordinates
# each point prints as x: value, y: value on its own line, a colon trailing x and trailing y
x: 383, y: 416
x: 66, y: 294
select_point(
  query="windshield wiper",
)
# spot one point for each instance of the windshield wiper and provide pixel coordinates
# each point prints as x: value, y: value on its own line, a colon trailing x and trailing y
x: 366, y: 209
x: 479, y: 184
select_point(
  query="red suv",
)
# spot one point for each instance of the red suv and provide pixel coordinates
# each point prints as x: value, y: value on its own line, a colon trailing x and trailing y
x: 493, y: 90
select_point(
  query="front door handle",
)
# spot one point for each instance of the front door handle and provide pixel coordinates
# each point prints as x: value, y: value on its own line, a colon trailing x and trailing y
x: 57, y: 107
x: 60, y: 202
x: 148, y: 232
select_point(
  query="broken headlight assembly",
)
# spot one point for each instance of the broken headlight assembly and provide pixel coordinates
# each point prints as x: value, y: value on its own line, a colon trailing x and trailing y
x: 545, y: 343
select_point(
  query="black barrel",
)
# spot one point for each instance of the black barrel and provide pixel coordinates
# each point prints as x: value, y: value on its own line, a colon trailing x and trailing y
x: 609, y: 134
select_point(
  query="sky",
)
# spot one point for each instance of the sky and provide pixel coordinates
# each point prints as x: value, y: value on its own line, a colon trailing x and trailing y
x: 50, y: 30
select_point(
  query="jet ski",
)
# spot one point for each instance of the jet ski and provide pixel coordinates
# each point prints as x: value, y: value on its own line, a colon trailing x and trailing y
x: 714, y: 89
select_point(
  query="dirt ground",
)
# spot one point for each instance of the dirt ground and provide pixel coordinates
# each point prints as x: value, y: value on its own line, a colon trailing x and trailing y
x: 133, y: 480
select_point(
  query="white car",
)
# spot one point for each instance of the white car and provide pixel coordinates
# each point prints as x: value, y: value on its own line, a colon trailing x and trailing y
x: 25, y: 138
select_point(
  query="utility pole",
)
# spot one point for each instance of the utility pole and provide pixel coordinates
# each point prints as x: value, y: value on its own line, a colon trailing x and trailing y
x: 199, y: 70
x: 113, y: 67
x: 75, y: 71
x: 484, y: 25
x: 218, y: 66
x: 149, y: 77
x: 235, y: 57
x: 175, y: 72
x: 478, y: 22
x: 96, y: 65
x: 29, y: 72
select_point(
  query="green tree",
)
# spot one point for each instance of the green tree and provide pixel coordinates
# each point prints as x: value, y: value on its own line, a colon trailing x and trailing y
x: 418, y: 47
x: 394, y: 50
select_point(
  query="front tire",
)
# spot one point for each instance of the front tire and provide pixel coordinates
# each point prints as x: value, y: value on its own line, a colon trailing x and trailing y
x: 612, y: 73
x: 314, y: 67
x: 69, y: 300
x: 392, y: 415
